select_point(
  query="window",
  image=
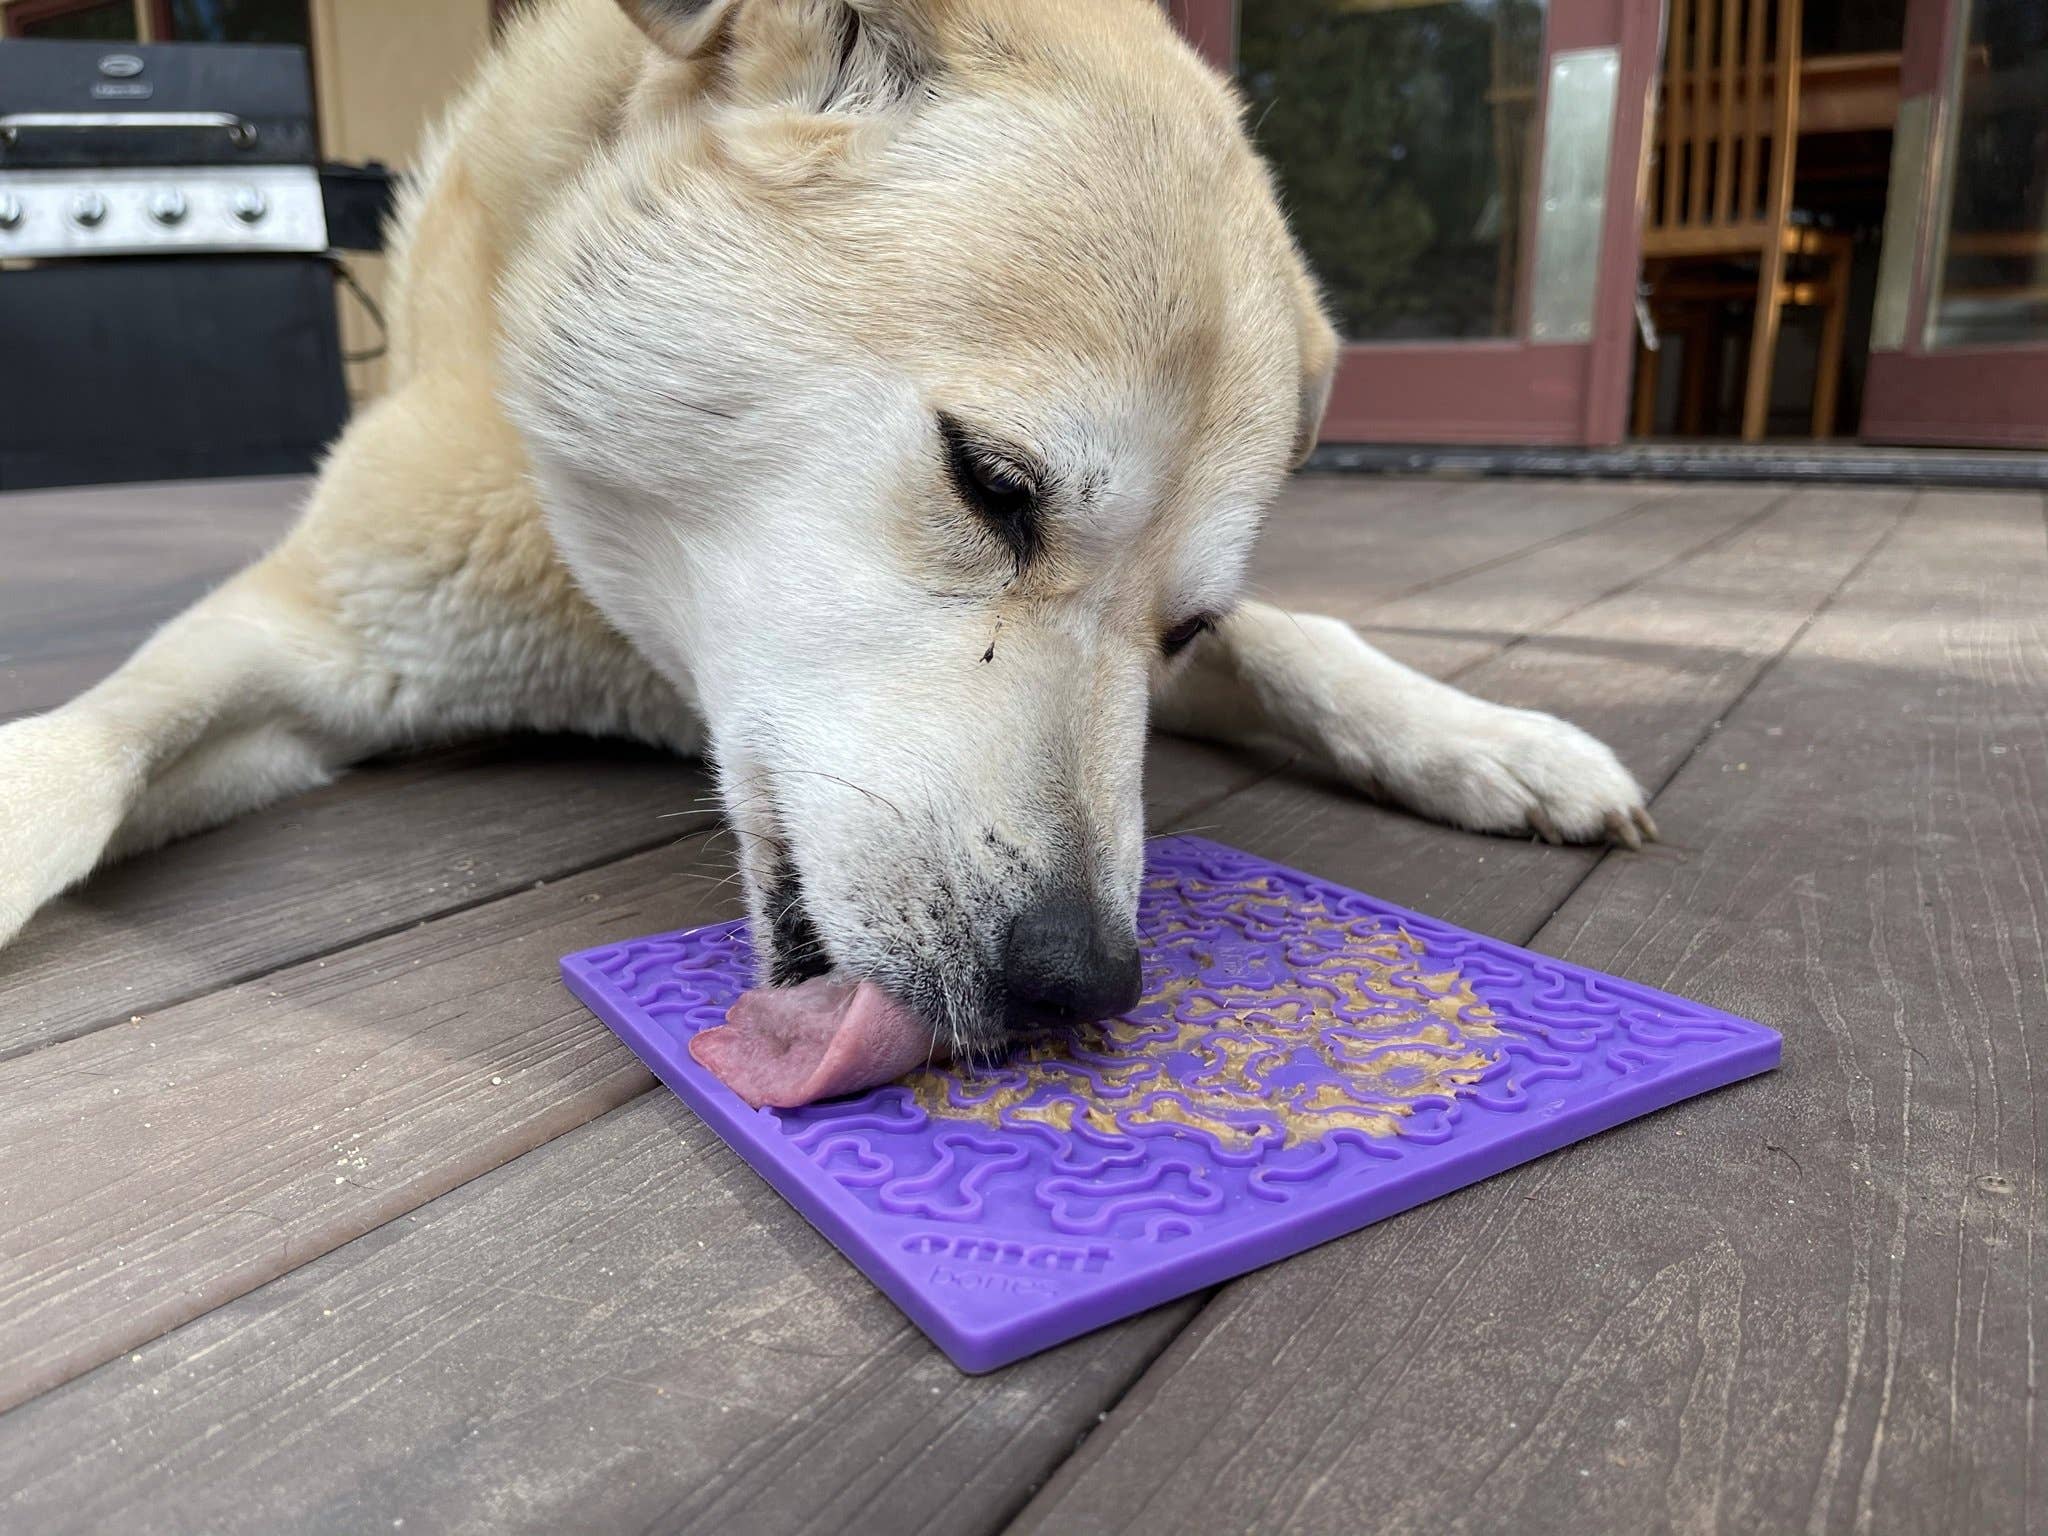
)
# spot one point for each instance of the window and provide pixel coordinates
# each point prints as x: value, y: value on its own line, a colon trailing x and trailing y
x: 1400, y: 131
x: 1994, y: 283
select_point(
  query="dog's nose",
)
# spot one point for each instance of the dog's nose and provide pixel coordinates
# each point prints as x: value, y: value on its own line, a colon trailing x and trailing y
x: 1064, y: 960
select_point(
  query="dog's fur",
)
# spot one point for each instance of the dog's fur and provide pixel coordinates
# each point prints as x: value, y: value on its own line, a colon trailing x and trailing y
x: 706, y: 314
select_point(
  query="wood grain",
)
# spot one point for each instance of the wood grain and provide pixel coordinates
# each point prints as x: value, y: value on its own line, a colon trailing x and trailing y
x: 1329, y: 549
x: 394, y: 844
x: 151, y: 1171
x: 90, y: 573
x: 625, y: 1330
x: 1451, y: 626
x: 1811, y: 1302
x: 387, y: 846
x: 161, y: 1166
x: 585, y: 1365
x: 390, y: 844
x: 1649, y: 669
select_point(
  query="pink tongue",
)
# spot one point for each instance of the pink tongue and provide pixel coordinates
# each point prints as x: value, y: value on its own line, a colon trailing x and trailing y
x: 785, y: 1047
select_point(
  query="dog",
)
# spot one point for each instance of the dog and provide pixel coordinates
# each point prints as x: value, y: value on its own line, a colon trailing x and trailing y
x: 878, y: 398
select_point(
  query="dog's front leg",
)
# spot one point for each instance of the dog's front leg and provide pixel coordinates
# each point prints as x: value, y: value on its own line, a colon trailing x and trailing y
x: 1396, y: 734
x: 218, y: 713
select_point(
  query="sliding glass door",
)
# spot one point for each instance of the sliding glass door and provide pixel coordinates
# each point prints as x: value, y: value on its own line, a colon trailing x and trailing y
x: 1463, y: 175
x: 1960, y: 338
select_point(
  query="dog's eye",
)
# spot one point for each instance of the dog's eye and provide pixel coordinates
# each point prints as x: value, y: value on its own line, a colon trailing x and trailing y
x: 1184, y: 634
x: 1001, y: 490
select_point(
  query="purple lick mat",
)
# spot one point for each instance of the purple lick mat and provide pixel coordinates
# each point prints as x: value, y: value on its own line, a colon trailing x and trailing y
x: 1306, y: 1061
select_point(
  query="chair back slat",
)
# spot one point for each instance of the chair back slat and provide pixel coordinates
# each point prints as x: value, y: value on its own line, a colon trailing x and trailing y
x: 1725, y: 162
x: 1709, y: 95
x: 1753, y: 114
x: 1677, y: 93
x: 1727, y: 115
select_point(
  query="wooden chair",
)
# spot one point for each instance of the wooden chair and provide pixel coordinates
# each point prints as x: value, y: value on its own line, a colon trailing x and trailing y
x: 1720, y: 193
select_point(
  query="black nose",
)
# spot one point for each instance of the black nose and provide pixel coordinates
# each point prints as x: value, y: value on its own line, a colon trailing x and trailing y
x: 1063, y: 960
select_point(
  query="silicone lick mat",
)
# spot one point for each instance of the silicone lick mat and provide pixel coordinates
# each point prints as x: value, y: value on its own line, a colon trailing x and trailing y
x: 1307, y: 1060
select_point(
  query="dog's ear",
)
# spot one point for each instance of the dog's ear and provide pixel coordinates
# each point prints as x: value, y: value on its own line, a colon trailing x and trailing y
x: 1318, y: 363
x: 682, y: 27
x: 800, y: 53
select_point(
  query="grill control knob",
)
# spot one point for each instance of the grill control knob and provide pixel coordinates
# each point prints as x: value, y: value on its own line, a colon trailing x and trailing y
x: 250, y: 204
x: 11, y: 211
x: 88, y: 209
x: 168, y: 206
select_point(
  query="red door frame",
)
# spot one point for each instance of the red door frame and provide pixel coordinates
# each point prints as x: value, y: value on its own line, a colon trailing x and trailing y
x: 1988, y: 395
x: 1512, y: 390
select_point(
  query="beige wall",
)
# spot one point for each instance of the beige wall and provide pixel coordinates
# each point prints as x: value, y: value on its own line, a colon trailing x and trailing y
x: 383, y: 71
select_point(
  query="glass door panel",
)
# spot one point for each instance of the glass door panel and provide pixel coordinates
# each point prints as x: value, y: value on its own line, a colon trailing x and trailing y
x: 1400, y: 132
x: 1960, y: 350
x: 1463, y: 175
x: 1993, y: 270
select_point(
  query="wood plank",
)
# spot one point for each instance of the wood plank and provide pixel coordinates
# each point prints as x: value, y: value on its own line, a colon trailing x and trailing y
x: 152, y: 1171
x: 1335, y: 544
x: 860, y: 1440
x: 91, y: 572
x: 1449, y: 627
x: 387, y: 846
x: 396, y: 844
x: 625, y: 1330
x: 1810, y: 1302
x: 1639, y: 669
x: 114, y: 1227
x: 1648, y: 669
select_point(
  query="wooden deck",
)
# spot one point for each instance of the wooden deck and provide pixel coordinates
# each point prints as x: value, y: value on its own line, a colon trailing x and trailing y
x: 324, y: 1208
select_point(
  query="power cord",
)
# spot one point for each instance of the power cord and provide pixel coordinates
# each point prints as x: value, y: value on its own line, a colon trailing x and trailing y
x: 348, y: 279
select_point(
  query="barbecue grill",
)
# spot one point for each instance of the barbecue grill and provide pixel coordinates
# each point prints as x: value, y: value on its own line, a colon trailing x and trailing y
x: 166, y: 292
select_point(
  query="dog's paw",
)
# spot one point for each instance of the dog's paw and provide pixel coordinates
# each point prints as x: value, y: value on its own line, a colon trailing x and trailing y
x: 1489, y: 768
x: 62, y: 792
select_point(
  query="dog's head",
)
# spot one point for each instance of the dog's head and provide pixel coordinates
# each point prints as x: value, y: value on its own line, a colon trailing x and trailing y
x: 906, y: 378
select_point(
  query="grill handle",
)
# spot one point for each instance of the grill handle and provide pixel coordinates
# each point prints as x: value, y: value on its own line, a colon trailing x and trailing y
x: 240, y: 131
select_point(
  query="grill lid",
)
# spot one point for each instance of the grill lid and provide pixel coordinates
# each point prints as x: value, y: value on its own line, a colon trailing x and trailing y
x: 136, y: 104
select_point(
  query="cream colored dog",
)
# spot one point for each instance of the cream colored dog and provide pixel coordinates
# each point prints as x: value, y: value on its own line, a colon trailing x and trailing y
x: 878, y: 397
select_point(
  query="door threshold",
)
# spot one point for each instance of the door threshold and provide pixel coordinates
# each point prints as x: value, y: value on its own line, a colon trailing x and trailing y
x: 1848, y: 463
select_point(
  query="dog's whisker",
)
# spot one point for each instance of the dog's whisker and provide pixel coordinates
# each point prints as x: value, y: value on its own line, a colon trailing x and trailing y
x: 859, y: 789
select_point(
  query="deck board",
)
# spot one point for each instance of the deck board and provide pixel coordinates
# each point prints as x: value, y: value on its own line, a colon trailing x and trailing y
x: 153, y: 1170
x: 91, y: 572
x: 1502, y: 603
x: 400, y: 843
x: 860, y: 1439
x: 386, y: 846
x: 1809, y: 1302
x: 1329, y: 550
x: 445, y: 1047
x: 622, y: 1331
